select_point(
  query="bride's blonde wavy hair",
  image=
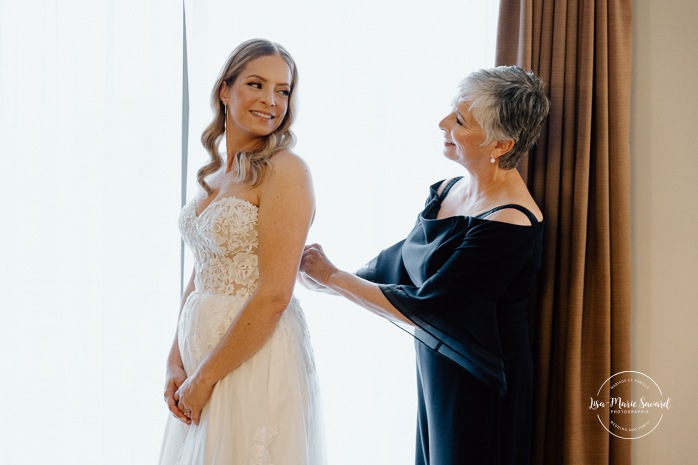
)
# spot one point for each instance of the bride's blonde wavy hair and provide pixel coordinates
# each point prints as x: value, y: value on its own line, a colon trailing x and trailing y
x: 251, y: 166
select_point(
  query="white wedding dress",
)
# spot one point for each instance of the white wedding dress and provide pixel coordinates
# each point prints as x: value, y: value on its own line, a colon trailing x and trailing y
x: 267, y: 411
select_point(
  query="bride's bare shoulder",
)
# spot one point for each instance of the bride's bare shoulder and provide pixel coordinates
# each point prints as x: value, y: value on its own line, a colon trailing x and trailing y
x: 288, y: 172
x: 288, y: 161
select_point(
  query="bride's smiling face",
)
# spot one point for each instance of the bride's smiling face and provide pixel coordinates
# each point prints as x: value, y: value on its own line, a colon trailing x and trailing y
x: 257, y: 101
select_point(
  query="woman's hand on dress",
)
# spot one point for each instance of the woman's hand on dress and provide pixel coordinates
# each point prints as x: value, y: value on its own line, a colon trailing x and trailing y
x: 310, y: 283
x: 176, y: 376
x: 192, y: 396
x: 316, y: 269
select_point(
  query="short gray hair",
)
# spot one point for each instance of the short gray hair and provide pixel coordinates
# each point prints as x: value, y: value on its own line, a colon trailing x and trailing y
x: 509, y: 104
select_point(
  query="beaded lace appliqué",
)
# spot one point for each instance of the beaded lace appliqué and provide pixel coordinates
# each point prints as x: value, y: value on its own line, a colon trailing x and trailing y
x: 224, y: 242
x: 260, y: 449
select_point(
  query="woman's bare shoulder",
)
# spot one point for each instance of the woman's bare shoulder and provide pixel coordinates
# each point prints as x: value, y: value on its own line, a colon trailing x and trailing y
x: 514, y: 216
x: 288, y: 170
x: 287, y: 160
x: 445, y: 183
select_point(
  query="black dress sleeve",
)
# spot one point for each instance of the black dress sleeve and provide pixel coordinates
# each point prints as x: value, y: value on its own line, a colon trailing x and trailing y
x: 456, y: 307
x: 387, y: 267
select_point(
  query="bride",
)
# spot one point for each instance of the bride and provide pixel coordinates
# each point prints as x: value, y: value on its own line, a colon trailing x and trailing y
x: 241, y: 382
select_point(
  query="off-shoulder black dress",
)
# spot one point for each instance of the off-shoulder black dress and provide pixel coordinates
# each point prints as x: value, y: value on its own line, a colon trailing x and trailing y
x: 465, y: 281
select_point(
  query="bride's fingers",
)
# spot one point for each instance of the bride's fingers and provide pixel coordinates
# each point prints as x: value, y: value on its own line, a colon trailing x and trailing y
x: 195, y: 416
x: 176, y: 411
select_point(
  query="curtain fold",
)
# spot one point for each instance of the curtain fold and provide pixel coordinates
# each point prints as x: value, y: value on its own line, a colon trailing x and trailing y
x: 579, y: 173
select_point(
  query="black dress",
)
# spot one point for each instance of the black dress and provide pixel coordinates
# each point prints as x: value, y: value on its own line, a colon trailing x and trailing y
x: 465, y: 282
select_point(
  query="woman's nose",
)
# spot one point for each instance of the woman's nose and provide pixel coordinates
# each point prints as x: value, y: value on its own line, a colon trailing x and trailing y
x: 268, y: 98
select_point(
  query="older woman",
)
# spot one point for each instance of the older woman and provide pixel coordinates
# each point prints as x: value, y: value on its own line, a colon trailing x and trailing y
x: 462, y: 277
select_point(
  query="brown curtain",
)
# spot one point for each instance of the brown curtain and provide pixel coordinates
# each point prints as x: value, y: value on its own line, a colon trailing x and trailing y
x: 579, y: 173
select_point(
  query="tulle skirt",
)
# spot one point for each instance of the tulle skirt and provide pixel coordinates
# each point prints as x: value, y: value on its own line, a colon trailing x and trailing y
x: 265, y: 412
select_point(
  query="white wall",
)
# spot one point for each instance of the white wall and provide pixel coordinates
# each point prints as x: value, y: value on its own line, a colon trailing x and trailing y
x: 665, y: 220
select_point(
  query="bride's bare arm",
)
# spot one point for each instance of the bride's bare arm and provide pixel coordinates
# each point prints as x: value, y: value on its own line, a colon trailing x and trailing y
x: 175, y: 375
x: 286, y: 206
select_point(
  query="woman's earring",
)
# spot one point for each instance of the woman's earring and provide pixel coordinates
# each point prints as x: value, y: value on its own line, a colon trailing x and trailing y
x: 225, y: 117
x: 492, y: 160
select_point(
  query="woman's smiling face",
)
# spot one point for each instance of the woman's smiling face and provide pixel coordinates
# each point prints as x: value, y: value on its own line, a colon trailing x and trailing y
x: 463, y: 137
x: 258, y: 100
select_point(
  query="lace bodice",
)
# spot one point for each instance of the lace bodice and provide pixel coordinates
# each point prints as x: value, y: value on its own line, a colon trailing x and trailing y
x: 224, y: 242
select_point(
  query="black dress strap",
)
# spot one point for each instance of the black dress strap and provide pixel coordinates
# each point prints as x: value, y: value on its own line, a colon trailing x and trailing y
x: 448, y: 187
x: 523, y: 210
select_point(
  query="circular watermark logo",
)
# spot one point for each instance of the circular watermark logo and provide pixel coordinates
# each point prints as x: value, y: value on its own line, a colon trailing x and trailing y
x: 630, y: 417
